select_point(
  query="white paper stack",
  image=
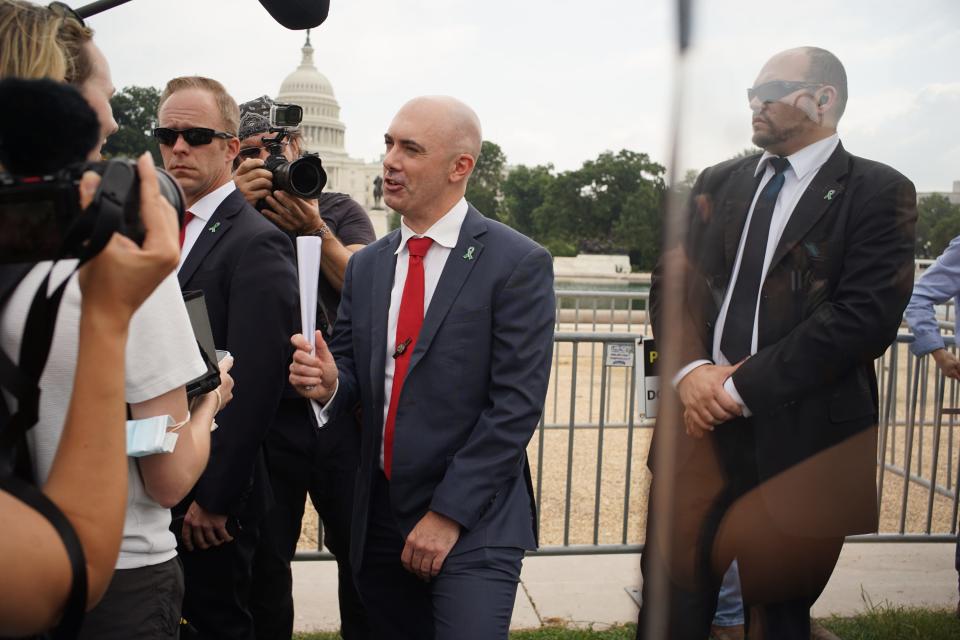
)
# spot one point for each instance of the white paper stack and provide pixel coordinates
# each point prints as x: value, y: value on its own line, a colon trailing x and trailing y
x: 308, y: 271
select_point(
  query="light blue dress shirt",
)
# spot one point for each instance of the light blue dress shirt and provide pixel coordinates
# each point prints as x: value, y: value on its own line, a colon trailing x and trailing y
x: 938, y: 284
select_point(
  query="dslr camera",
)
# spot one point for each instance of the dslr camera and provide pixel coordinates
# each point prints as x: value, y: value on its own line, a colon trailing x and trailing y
x: 40, y: 213
x: 304, y: 177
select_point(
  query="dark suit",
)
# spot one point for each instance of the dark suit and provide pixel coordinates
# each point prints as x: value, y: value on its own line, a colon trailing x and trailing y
x: 306, y: 461
x: 471, y: 400
x: 245, y: 267
x: 780, y: 489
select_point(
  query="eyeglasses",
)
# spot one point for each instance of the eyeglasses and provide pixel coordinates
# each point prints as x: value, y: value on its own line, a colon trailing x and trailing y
x: 63, y: 11
x: 777, y: 89
x: 254, y: 152
x: 195, y: 136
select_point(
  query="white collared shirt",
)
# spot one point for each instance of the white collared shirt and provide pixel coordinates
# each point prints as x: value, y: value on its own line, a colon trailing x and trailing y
x: 445, y: 232
x: 804, y: 165
x: 202, y: 210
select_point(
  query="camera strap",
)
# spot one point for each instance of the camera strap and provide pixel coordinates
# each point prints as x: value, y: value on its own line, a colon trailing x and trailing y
x: 23, y: 383
x: 86, y: 238
x: 73, y: 612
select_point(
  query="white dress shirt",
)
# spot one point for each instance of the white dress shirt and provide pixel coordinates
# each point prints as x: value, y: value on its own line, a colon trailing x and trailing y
x: 804, y: 165
x: 445, y: 232
x: 202, y: 210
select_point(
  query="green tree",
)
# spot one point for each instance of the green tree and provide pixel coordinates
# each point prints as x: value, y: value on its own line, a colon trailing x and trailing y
x: 135, y: 110
x: 938, y: 221
x: 611, y: 204
x: 483, y: 189
x: 524, y: 189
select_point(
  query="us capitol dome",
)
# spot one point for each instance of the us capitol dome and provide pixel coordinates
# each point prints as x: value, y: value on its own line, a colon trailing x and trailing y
x: 324, y: 133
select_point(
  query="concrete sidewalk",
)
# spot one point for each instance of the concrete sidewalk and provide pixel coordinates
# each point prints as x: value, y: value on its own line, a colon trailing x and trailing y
x: 583, y: 590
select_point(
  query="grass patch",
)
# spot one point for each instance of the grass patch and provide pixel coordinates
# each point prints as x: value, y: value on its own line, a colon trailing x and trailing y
x: 896, y: 623
x: 628, y: 632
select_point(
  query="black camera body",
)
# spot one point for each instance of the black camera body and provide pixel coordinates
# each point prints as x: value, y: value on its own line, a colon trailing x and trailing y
x: 41, y: 217
x: 40, y: 213
x: 303, y: 178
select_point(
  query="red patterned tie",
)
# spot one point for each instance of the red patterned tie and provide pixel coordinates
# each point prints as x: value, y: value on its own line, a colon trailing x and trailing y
x: 408, y: 328
x: 187, y: 217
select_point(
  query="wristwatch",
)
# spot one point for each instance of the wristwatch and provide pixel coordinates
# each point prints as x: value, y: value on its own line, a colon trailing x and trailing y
x: 323, y: 232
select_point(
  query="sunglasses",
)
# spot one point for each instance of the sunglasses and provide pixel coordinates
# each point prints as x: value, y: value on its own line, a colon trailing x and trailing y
x: 194, y: 137
x: 777, y: 89
x: 254, y: 152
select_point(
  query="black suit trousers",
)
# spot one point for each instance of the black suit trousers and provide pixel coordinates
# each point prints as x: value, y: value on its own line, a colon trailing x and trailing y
x: 303, y: 460
x: 733, y: 525
x: 217, y: 597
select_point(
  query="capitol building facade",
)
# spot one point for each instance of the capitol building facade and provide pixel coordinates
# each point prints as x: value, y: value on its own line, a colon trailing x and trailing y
x: 324, y: 133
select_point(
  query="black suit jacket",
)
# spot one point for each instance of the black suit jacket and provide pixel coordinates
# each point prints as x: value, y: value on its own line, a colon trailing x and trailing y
x: 246, y: 269
x: 473, y: 393
x: 831, y: 303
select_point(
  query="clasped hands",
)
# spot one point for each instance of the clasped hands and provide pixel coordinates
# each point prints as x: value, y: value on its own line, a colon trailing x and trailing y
x: 705, y: 402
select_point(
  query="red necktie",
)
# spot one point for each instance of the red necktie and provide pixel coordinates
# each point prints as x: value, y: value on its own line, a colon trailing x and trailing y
x: 408, y: 328
x: 187, y: 217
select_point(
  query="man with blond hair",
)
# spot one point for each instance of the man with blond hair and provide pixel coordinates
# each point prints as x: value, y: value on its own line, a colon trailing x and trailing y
x: 444, y: 335
x: 244, y: 266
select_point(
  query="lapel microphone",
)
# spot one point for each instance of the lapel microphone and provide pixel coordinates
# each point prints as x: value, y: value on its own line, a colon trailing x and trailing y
x: 401, y: 348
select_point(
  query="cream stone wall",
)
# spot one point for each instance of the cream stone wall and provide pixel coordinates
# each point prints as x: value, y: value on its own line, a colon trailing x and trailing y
x: 325, y: 133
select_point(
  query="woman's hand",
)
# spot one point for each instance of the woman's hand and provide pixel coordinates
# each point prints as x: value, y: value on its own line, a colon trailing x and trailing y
x: 118, y: 279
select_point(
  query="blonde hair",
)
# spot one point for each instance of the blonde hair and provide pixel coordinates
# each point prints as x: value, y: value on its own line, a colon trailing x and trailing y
x: 229, y: 111
x: 39, y: 42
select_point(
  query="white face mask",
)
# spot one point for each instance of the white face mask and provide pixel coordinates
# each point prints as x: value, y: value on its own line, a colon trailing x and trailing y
x: 149, y: 435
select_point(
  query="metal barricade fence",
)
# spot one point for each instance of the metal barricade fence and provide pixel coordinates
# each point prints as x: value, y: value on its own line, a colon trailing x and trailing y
x: 580, y: 310
x: 588, y: 454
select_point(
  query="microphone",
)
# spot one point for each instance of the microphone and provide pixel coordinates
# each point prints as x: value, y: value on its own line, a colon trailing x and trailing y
x: 44, y: 126
x: 401, y: 348
x: 295, y: 15
x: 298, y: 15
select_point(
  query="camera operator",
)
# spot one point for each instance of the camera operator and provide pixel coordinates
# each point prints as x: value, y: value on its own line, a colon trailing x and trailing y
x: 90, y: 459
x: 302, y: 459
x: 144, y: 596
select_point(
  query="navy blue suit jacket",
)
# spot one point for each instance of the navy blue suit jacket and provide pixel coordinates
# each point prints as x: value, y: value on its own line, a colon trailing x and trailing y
x: 246, y: 269
x: 473, y: 393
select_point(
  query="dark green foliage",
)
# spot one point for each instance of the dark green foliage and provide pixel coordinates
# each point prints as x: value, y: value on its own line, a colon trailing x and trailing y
x: 135, y: 110
x: 613, y: 204
x: 483, y: 189
x: 938, y: 222
x: 524, y: 190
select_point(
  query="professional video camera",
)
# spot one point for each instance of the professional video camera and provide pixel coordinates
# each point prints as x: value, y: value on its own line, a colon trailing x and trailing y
x: 304, y: 177
x: 40, y: 214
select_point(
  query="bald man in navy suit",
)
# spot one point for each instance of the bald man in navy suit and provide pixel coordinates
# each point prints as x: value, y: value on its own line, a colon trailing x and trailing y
x: 444, y: 336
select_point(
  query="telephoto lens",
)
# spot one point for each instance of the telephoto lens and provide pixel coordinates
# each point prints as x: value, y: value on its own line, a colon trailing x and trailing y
x: 303, y: 178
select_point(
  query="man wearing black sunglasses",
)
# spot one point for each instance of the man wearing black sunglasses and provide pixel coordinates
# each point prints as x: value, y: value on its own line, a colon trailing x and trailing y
x: 791, y: 279
x: 245, y: 268
x: 302, y: 459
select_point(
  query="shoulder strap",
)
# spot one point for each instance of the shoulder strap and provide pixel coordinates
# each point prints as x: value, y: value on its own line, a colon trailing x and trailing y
x: 73, y: 613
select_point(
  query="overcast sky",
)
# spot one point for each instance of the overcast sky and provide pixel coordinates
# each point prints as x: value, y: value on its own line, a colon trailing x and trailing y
x: 557, y: 81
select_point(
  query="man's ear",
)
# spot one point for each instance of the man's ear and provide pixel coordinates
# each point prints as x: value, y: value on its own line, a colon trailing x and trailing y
x: 232, y: 149
x: 462, y: 167
x: 826, y: 98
